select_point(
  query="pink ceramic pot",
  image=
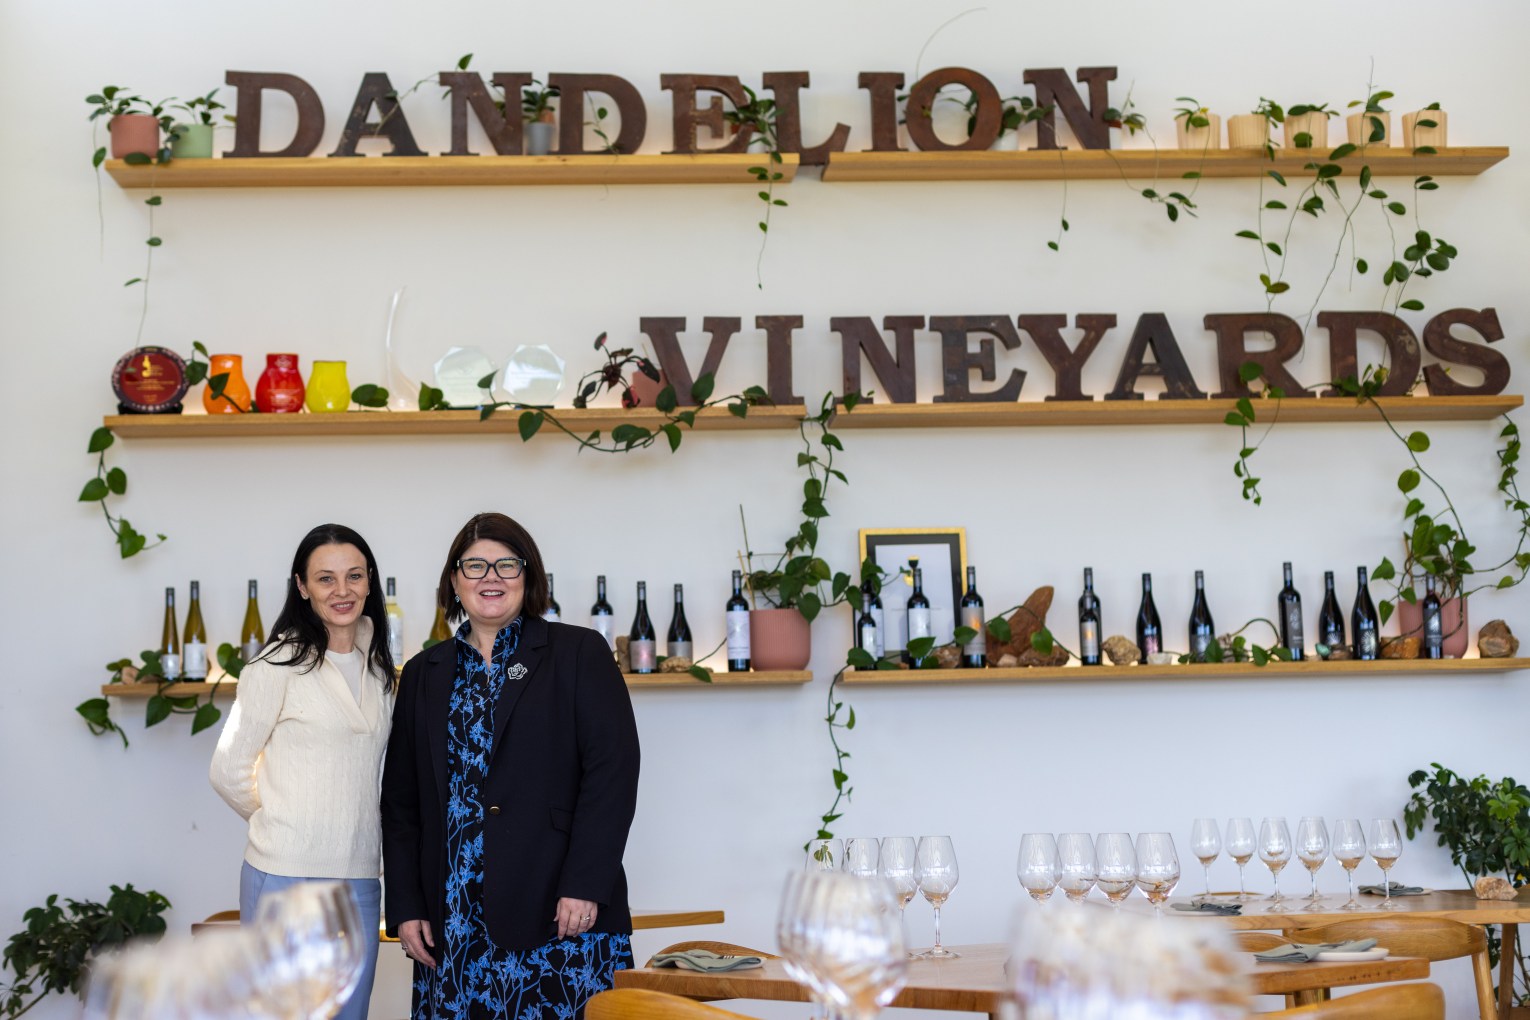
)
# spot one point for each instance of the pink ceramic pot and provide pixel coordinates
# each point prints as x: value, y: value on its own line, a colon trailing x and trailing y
x: 779, y: 639
x: 133, y: 132
x: 1410, y: 618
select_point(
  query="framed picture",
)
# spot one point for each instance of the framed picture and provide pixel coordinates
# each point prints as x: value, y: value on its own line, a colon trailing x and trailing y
x: 942, y: 556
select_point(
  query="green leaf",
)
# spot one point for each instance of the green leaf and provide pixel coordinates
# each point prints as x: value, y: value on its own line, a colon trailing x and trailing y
x: 999, y: 628
x: 629, y: 435
x: 528, y: 424
x: 859, y: 658
x: 666, y: 401
x: 1418, y: 442
x: 1397, y: 208
x: 207, y: 714
x: 1043, y: 641
x: 918, y: 648
x: 1384, y: 571
x: 702, y: 389
x: 809, y: 605
x: 431, y: 399
x: 116, y: 480
x: 96, y: 711
x: 1246, y: 408
x: 95, y: 489
x: 1413, y: 305
x: 1278, y: 178
x: 1249, y: 371
x: 1236, y: 420
x: 153, y: 200
x: 672, y: 432
x: 370, y: 395
x: 1259, y: 655
x: 701, y: 673
x: 157, y: 710
x: 100, y: 439
x: 1408, y: 480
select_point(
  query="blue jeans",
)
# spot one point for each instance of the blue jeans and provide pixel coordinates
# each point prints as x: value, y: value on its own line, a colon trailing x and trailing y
x: 255, y: 884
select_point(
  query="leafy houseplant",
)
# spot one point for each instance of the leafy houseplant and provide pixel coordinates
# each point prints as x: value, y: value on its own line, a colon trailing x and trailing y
x: 161, y: 705
x: 537, y: 112
x: 192, y: 137
x: 758, y: 115
x: 54, y: 951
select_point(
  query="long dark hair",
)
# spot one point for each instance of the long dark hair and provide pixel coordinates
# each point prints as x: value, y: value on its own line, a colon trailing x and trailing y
x: 298, y: 629
x: 501, y: 529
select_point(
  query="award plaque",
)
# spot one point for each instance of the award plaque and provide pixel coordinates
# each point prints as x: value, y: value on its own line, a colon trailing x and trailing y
x: 149, y: 380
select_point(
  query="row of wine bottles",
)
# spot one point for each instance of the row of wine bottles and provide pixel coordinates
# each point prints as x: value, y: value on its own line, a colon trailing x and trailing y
x: 871, y: 626
x: 183, y: 655
x: 642, y: 642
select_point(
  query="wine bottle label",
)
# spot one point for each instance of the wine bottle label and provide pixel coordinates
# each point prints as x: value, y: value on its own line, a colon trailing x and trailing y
x: 1434, y: 632
x: 876, y: 617
x: 606, y: 625
x: 551, y: 616
x: 170, y: 665
x: 194, y: 660
x: 919, y: 623
x: 1152, y: 643
x: 1365, y: 644
x: 1089, y: 639
x: 866, y: 638
x: 1198, y: 645
x: 251, y: 648
x: 396, y: 638
x: 1333, y: 638
x: 738, y: 634
x: 972, y: 616
x: 644, y: 655
x: 680, y: 650
x: 1294, y: 626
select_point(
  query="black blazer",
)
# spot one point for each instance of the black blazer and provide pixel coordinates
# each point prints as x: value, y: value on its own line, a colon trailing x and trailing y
x: 558, y: 799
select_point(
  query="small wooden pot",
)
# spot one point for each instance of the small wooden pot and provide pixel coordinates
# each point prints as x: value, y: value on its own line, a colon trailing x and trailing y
x: 1360, y: 126
x: 1208, y: 137
x: 779, y: 639
x: 1415, y: 136
x: 1247, y: 131
x: 1313, y: 125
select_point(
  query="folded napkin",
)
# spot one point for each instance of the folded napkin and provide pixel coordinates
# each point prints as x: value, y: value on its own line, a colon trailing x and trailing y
x: 702, y: 959
x: 1299, y: 953
x: 1397, y: 890
x: 1203, y: 906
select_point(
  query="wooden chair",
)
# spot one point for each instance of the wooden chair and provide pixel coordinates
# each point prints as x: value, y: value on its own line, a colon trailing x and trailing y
x: 1434, y: 939
x: 1258, y: 941
x: 720, y: 948
x: 1421, y: 1001
x: 642, y: 1004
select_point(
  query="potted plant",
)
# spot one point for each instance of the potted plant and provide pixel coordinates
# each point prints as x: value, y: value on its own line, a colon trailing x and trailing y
x: 135, y: 124
x: 1434, y: 549
x: 1195, y: 126
x: 1252, y: 130
x: 54, y: 951
x: 1425, y: 129
x: 541, y: 119
x: 1307, y: 126
x: 192, y: 138
x: 1371, y: 126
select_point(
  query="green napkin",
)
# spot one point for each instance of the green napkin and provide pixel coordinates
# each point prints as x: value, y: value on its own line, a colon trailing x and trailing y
x: 1203, y: 906
x: 705, y: 960
x: 1298, y: 953
x: 1397, y: 890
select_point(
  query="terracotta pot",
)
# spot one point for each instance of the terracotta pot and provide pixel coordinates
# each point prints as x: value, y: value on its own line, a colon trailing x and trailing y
x: 280, y: 387
x: 133, y: 132
x: 1415, y: 136
x: 779, y: 639
x: 1410, y: 619
x: 1247, y: 131
x: 1360, y: 126
x: 1199, y: 139
x: 1314, y: 125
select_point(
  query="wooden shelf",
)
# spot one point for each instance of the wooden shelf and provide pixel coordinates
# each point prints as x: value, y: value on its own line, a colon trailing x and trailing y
x: 1142, y: 165
x: 436, y: 171
x: 634, y: 680
x: 1307, y: 669
x: 1023, y: 414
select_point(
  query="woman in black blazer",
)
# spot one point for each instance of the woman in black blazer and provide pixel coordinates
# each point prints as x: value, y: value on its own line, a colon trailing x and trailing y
x: 507, y: 794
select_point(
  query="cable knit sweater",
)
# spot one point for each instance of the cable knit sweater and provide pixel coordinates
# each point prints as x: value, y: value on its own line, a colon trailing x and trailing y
x: 301, y: 760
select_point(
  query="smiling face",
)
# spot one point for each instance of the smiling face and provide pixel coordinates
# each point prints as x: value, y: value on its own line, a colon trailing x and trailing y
x: 336, y: 586
x: 491, y: 601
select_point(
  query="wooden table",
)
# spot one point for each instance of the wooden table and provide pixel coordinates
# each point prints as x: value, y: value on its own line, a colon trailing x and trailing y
x: 1452, y: 904
x: 641, y: 920
x: 975, y: 982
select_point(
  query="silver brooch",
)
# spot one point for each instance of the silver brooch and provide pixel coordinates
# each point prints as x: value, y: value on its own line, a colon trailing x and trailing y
x: 516, y: 671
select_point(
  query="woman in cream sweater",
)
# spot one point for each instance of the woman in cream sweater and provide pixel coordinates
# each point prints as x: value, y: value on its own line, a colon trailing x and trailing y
x: 300, y: 757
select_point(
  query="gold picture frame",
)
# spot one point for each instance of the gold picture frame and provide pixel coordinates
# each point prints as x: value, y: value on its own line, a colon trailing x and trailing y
x: 942, y: 555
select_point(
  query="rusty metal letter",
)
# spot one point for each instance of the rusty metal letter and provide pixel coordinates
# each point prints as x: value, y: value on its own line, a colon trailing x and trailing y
x: 1232, y: 351
x: 787, y: 86
x: 921, y: 106
x: 883, y: 86
x: 572, y: 88
x: 1053, y: 89
x: 377, y: 90
x: 664, y: 331
x: 859, y: 334
x: 1403, y: 353
x: 958, y: 361
x: 1439, y: 342
x: 1153, y: 333
x: 688, y: 117
x: 310, y: 113
x: 778, y: 356
x: 503, y: 127
x: 1067, y: 366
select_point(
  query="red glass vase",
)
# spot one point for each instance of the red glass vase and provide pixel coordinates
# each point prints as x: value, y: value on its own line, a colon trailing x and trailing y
x: 280, y: 389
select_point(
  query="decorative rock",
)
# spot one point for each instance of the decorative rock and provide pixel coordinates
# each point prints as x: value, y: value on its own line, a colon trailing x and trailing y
x: 1024, y: 622
x: 130, y: 674
x: 623, y: 660
x: 1494, y: 641
x: 1031, y: 657
x: 1399, y: 648
x: 1339, y: 653
x: 1494, y: 887
x: 675, y: 664
x: 947, y: 657
x: 1007, y: 660
x: 1162, y: 658
x: 1121, y: 650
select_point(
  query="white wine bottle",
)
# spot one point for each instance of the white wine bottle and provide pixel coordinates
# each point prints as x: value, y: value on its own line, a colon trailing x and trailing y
x: 252, y: 636
x: 170, y: 641
x: 395, y: 617
x: 554, y: 611
x: 194, y: 646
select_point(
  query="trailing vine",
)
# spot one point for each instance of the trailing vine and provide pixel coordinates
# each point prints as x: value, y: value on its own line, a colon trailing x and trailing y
x: 161, y: 704
x: 758, y: 115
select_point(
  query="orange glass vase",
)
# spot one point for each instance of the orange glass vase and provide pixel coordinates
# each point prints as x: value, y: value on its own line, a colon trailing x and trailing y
x: 235, y: 397
x: 328, y: 388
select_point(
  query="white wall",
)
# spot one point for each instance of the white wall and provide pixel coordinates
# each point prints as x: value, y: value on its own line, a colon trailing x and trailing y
x: 733, y: 780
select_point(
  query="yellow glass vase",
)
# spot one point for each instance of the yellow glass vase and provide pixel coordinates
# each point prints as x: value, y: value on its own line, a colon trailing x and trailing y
x: 328, y: 388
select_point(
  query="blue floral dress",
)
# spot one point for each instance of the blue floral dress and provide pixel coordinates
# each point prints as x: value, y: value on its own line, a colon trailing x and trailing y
x: 475, y: 979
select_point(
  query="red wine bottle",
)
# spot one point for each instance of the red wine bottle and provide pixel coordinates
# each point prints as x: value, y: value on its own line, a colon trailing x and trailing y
x: 1089, y: 622
x: 918, y: 610
x: 1291, y: 636
x: 1330, y: 617
x: 677, y: 643
x: 554, y: 611
x: 738, y: 627
x: 866, y: 628
x: 602, y: 618
x: 974, y: 652
x: 642, y: 646
x: 1364, y: 624
x: 1202, y: 630
x: 1434, y: 626
x: 1149, y: 629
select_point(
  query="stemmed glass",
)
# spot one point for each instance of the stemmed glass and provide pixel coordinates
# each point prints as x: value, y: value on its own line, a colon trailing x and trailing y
x: 793, y: 931
x: 313, y: 932
x: 1349, y: 851
x: 1157, y: 867
x: 854, y: 941
x: 824, y: 854
x: 861, y: 856
x: 1117, y: 866
x: 1386, y: 847
x: 1275, y: 851
x: 1240, y: 847
x: 896, y: 864
x: 935, y: 870
x: 1312, y: 848
x: 1038, y: 867
x: 1076, y: 864
x: 1206, y: 844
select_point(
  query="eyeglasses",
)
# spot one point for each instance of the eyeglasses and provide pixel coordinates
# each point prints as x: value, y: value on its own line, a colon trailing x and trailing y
x: 508, y: 568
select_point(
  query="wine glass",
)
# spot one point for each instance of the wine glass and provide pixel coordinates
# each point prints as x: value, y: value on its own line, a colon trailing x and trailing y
x: 855, y: 942
x: 1275, y: 851
x: 937, y: 874
x: 1386, y: 847
x: 1038, y: 867
x: 1117, y: 866
x: 1312, y: 848
x: 313, y: 932
x: 824, y: 854
x: 1206, y: 844
x: 895, y: 863
x: 1349, y: 851
x: 861, y: 854
x: 1076, y: 864
x: 1157, y: 867
x: 1240, y: 847
x: 792, y: 931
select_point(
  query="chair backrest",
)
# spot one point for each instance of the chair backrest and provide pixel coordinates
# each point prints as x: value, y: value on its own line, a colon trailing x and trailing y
x: 1258, y: 941
x: 1432, y: 938
x: 1422, y: 1001
x: 720, y: 948
x: 642, y: 1004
